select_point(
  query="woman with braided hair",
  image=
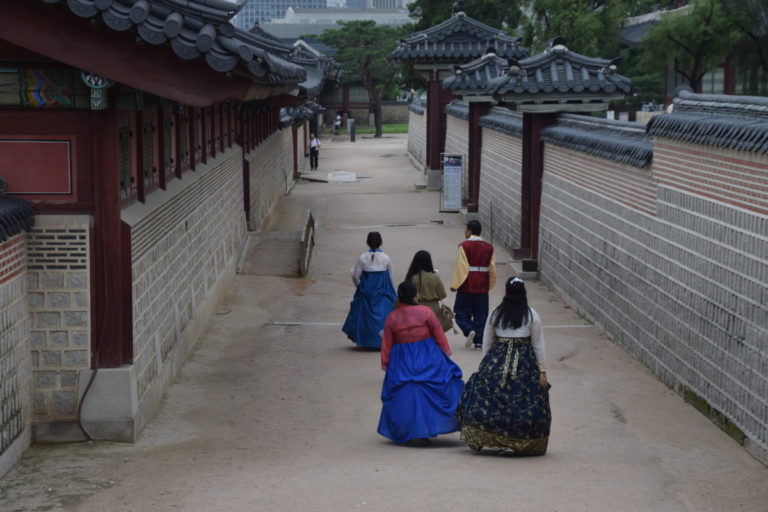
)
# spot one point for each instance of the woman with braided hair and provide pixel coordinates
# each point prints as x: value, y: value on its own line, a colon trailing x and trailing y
x: 505, y: 404
x: 422, y: 385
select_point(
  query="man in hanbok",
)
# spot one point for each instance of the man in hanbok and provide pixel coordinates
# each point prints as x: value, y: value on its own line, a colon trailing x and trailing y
x: 473, y: 277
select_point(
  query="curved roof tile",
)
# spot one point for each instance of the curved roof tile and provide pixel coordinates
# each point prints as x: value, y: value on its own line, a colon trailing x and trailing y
x: 16, y: 215
x: 198, y: 28
x: 563, y: 71
x: 503, y: 120
x: 618, y: 141
x: 475, y: 76
x: 736, y: 122
x: 459, y: 38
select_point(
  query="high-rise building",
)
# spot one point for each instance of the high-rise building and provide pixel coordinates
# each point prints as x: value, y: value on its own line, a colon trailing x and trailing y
x: 259, y: 11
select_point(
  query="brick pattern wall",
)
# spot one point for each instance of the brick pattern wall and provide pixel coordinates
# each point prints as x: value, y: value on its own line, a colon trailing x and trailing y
x: 684, y: 289
x: 15, y: 361
x: 271, y: 172
x: 59, y: 303
x: 417, y: 136
x: 179, y: 252
x: 500, y: 182
x: 457, y: 143
x: 628, y: 185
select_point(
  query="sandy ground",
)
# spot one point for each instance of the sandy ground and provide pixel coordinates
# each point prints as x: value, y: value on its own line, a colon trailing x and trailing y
x: 276, y: 411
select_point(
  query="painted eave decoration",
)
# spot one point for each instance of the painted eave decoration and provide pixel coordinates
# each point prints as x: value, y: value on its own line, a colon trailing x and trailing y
x: 619, y: 141
x: 198, y: 29
x: 735, y: 122
x: 457, y: 39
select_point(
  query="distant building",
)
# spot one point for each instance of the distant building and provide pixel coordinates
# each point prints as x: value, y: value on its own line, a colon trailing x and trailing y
x: 259, y: 11
x: 301, y: 22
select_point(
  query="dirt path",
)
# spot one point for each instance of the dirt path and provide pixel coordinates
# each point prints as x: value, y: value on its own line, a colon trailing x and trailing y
x: 276, y: 411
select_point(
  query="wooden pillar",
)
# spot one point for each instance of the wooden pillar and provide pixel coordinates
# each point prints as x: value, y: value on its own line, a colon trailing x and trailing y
x: 433, y: 122
x: 476, y: 111
x: 111, y: 293
x: 532, y: 174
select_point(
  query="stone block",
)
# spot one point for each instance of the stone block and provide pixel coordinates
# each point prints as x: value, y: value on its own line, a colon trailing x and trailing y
x: 76, y: 358
x: 50, y: 358
x: 77, y: 280
x: 63, y: 403
x: 58, y: 338
x: 46, y: 379
x: 75, y: 318
x: 68, y: 379
x: 79, y: 338
x: 47, y: 319
x: 51, y: 280
x: 59, y: 300
x: 36, y: 299
x: 37, y: 339
x: 40, y: 402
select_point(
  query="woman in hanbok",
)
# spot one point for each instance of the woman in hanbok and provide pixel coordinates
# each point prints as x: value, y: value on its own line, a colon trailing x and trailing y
x: 505, y: 404
x: 374, y: 295
x: 422, y: 386
x: 429, y: 287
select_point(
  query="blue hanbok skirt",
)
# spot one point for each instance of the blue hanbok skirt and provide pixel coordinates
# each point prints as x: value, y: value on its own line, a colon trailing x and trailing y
x: 421, y: 390
x: 502, y: 405
x: 374, y: 299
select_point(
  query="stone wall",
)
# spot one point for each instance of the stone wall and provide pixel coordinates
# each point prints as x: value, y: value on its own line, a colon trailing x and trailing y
x: 271, y: 173
x: 457, y: 143
x: 417, y: 135
x: 670, y: 259
x: 59, y: 303
x: 15, y: 360
x: 499, y: 209
x: 185, y: 244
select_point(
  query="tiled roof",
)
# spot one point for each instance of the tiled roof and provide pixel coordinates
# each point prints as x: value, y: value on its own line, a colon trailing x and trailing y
x: 16, y: 215
x: 736, y: 122
x: 475, y: 76
x: 458, y: 109
x: 416, y: 107
x: 561, y: 72
x: 197, y: 29
x: 457, y: 39
x: 292, y: 115
x: 619, y: 141
x: 503, y: 120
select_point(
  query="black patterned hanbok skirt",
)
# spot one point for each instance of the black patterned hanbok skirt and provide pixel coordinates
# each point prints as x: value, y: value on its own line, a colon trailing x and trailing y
x: 502, y: 405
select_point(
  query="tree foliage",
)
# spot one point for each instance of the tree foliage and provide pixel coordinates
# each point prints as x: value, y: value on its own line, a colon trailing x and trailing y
x: 502, y: 14
x: 362, y: 48
x: 694, y: 40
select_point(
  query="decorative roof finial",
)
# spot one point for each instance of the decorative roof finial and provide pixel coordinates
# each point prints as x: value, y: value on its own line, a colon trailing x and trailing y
x: 458, y: 7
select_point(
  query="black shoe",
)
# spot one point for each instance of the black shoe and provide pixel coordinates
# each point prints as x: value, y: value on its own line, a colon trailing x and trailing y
x: 478, y: 346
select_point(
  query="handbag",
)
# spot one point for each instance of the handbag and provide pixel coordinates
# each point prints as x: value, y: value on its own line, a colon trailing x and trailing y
x: 446, y: 318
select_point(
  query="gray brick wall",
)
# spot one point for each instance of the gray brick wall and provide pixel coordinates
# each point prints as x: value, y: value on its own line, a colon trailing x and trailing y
x: 684, y: 289
x: 59, y: 305
x: 271, y: 173
x: 500, y: 178
x: 457, y: 143
x: 15, y: 360
x: 180, y: 250
x: 417, y: 136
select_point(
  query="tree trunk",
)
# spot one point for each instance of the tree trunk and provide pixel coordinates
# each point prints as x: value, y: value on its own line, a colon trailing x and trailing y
x: 378, y: 120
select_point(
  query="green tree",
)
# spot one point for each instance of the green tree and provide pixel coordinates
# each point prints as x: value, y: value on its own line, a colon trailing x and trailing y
x: 589, y: 26
x: 694, y: 40
x: 362, y: 48
x: 504, y: 14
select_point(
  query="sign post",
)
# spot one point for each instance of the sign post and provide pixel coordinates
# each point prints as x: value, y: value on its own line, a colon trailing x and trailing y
x: 450, y: 195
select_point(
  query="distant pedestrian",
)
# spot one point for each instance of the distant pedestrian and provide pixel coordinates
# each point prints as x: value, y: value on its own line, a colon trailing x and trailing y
x: 429, y: 287
x: 505, y: 404
x: 473, y: 277
x: 422, y: 386
x: 374, y: 295
x: 314, y: 151
x: 337, y: 123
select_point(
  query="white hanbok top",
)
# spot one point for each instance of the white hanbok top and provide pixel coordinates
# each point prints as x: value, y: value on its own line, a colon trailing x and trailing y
x: 532, y: 328
x: 379, y: 262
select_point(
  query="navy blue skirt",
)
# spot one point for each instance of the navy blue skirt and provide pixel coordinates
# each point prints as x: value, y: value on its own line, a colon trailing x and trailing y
x: 503, y: 406
x: 374, y: 299
x: 421, y: 390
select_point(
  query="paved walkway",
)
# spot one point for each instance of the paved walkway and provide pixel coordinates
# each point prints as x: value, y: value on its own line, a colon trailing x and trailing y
x: 276, y: 411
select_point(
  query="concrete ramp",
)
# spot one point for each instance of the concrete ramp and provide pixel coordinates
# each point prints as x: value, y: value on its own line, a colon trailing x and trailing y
x: 274, y: 253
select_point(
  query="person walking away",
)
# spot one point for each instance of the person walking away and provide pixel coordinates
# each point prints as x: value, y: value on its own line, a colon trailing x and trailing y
x: 337, y: 123
x: 505, y: 404
x: 422, y: 385
x: 429, y: 288
x: 314, y: 151
x: 473, y: 277
x: 374, y: 295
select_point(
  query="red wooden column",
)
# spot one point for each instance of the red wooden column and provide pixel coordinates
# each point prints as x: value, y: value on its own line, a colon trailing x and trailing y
x: 433, y: 122
x: 111, y: 324
x: 476, y: 111
x: 533, y: 172
x: 295, y: 138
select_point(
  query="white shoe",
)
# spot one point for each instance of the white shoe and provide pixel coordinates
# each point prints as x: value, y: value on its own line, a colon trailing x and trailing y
x: 470, y: 339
